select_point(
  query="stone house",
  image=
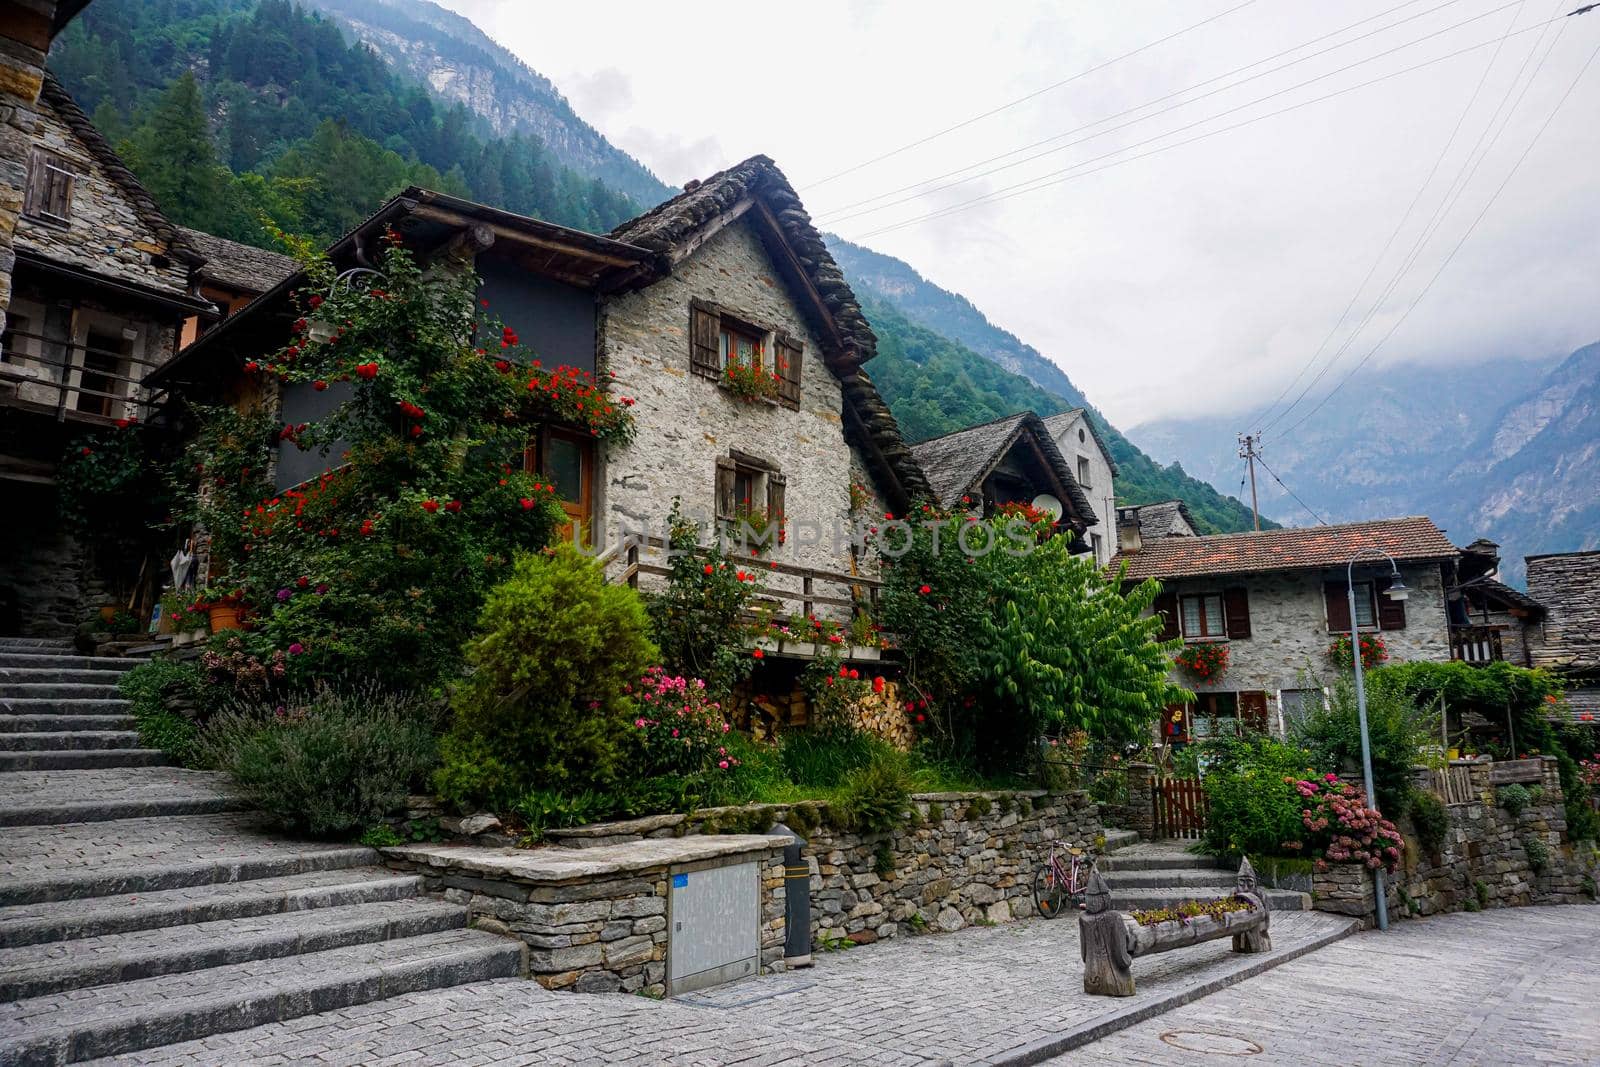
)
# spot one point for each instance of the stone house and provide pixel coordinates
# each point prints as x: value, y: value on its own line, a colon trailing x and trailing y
x: 1489, y: 620
x: 1567, y: 640
x: 1010, y: 460
x: 1277, y: 600
x: 99, y: 282
x: 1140, y: 523
x: 1094, y: 470
x: 731, y: 268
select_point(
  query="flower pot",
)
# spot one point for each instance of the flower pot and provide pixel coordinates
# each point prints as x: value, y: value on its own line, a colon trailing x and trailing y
x: 865, y: 652
x: 107, y: 612
x: 799, y: 648
x: 223, y: 617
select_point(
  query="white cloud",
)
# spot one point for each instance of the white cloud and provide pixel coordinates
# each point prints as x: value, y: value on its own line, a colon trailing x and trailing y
x: 1197, y: 280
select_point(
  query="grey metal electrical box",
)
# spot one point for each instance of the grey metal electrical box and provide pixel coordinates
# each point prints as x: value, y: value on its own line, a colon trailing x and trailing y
x: 713, y: 926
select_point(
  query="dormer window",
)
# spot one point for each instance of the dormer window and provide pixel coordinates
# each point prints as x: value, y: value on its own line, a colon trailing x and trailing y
x: 50, y: 183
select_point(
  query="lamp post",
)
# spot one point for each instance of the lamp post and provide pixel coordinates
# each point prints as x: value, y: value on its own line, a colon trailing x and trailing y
x: 1397, y: 591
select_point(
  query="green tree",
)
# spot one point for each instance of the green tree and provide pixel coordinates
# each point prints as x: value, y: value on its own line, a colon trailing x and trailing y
x: 174, y: 158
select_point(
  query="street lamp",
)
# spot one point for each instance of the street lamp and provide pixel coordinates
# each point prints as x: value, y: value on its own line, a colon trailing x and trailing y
x: 1397, y: 591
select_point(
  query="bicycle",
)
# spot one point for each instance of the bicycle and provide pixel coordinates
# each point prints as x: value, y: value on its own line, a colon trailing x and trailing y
x: 1057, y: 884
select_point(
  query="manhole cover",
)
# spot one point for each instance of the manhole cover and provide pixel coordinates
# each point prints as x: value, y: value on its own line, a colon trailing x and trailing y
x: 1211, y: 1042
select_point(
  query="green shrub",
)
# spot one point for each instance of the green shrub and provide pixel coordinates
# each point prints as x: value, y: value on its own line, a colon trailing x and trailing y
x: 1397, y: 729
x: 380, y: 836
x: 883, y: 859
x: 147, y: 688
x: 1514, y: 798
x: 804, y: 818
x: 698, y: 620
x: 542, y: 811
x: 1254, y: 810
x: 1430, y: 818
x: 979, y: 807
x: 547, y: 704
x: 1538, y: 854
x: 328, y: 763
x: 874, y: 798
x: 1480, y: 891
x: 936, y: 812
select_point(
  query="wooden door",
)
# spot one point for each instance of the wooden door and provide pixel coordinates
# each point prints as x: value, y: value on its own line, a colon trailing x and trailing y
x: 1253, y: 711
x: 565, y: 459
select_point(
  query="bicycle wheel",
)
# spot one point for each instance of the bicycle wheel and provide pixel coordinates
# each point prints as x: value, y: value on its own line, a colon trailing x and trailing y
x: 1049, y: 893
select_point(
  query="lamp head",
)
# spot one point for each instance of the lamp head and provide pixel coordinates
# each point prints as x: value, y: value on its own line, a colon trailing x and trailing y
x: 1397, y: 589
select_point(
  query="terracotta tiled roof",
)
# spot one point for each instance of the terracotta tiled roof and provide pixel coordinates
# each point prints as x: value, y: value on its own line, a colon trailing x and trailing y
x: 1303, y: 548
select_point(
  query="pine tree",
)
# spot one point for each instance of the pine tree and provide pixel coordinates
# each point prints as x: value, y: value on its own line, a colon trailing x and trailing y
x: 174, y: 158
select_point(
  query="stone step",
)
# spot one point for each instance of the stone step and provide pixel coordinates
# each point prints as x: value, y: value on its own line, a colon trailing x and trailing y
x: 129, y: 1016
x: 70, y: 920
x: 36, y: 644
x: 76, y: 663
x: 65, y: 706
x: 1133, y: 899
x: 22, y: 811
x: 45, y: 862
x: 1170, y: 877
x: 69, y: 740
x: 1143, y: 858
x: 13, y: 690
x: 1119, y: 839
x: 34, y: 675
x: 82, y: 759
x: 38, y: 970
x: 27, y: 724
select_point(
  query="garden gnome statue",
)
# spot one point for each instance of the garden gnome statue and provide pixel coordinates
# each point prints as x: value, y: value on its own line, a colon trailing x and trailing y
x: 182, y: 564
x: 1103, y: 941
x: 1255, y: 939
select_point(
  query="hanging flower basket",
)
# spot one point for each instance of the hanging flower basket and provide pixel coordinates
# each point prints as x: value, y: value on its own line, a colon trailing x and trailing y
x: 1373, y: 652
x: 1204, y: 662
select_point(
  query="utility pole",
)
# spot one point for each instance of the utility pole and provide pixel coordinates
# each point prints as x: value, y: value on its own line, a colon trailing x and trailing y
x: 1248, y: 443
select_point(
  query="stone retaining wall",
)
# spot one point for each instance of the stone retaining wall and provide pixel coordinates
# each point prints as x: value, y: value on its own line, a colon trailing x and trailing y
x: 1483, y: 863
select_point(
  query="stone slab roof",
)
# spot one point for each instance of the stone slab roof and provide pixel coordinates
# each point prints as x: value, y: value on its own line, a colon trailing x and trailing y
x: 1157, y: 520
x: 1411, y: 539
x: 957, y: 463
x: 239, y: 266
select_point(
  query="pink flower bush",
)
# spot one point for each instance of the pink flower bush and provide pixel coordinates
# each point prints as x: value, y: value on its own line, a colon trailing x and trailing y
x: 680, y: 729
x: 1344, y: 828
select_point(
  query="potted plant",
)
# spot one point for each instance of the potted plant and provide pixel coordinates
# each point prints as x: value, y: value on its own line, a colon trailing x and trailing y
x: 1373, y: 652
x: 1204, y: 661
x: 223, y: 607
x: 750, y: 381
x: 183, y: 618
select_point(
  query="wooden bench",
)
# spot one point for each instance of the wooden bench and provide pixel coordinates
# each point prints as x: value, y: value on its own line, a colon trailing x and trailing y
x: 1110, y: 941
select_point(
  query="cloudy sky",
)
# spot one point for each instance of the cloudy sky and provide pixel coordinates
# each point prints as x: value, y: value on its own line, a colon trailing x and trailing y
x: 1202, y: 277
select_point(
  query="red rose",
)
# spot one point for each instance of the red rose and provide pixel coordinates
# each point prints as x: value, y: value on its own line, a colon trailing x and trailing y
x: 319, y: 385
x: 299, y: 326
x: 86, y: 452
x: 502, y: 365
x: 367, y: 370
x: 252, y: 367
x: 430, y: 506
x: 527, y: 503
x: 709, y: 568
x: 758, y: 654
x: 877, y: 684
x: 453, y: 506
x: 314, y: 300
x: 925, y: 590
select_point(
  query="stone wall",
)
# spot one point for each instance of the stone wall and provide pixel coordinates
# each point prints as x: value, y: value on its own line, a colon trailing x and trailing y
x: 25, y: 30
x: 43, y: 582
x: 1288, y: 646
x: 1138, y: 811
x: 687, y: 422
x: 1484, y: 862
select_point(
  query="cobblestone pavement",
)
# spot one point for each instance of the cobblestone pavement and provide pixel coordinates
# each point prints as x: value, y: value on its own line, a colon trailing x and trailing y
x: 1509, y: 986
x: 949, y: 998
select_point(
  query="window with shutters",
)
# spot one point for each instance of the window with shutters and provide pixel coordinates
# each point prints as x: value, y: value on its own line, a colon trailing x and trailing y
x: 1202, y: 616
x: 50, y: 183
x: 718, y: 338
x: 1366, y: 615
x: 750, y: 499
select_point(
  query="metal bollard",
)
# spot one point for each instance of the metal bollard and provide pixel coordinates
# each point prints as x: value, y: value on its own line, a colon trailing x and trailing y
x: 797, y: 900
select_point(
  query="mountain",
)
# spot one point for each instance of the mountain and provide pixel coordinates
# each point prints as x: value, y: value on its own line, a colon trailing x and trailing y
x: 1508, y: 449
x: 462, y: 64
x: 948, y: 339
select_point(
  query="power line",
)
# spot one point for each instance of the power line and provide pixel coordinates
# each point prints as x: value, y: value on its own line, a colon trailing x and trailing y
x: 1064, y: 175
x: 842, y: 209
x: 1023, y: 99
x: 1399, y: 226
x: 1452, y: 195
x: 1320, y: 520
x: 1492, y: 199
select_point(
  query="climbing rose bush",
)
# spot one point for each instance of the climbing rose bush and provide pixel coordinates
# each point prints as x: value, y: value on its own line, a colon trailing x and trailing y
x: 681, y: 729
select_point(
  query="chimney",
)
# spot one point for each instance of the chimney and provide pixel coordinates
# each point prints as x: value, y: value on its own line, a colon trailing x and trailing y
x: 1128, y: 539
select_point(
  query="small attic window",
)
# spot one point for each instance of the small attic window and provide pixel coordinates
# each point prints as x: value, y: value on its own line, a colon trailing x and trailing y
x: 51, y: 179
x: 1081, y: 436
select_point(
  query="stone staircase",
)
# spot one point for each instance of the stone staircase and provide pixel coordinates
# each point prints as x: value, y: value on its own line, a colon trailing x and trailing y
x: 139, y: 906
x: 1155, y: 874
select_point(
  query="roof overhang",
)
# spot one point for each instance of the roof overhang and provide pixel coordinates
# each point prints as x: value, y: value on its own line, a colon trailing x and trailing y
x: 150, y: 296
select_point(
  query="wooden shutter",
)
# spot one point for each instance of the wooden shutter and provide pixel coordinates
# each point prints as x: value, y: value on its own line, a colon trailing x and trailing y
x: 790, y: 357
x: 727, y: 473
x: 1166, y: 607
x: 705, y: 330
x: 1236, y: 611
x: 1391, y: 613
x: 49, y: 191
x: 1253, y: 711
x: 775, y: 488
x: 1334, y: 595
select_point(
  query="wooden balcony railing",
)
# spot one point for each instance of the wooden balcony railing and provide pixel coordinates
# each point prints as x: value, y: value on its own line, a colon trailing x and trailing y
x: 73, y: 380
x: 1476, y: 644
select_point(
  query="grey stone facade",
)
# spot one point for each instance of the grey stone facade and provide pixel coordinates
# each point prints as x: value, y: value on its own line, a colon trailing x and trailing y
x: 686, y: 422
x: 1568, y: 585
x: 1079, y: 444
x: 1288, y: 646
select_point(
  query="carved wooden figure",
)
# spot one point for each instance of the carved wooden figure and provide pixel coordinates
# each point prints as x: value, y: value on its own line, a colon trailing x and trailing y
x: 1103, y: 943
x: 1256, y: 938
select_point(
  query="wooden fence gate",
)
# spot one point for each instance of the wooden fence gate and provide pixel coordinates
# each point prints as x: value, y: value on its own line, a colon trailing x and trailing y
x: 1181, y: 808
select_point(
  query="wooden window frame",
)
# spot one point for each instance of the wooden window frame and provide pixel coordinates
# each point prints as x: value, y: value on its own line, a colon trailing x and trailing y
x: 1368, y: 589
x: 781, y: 353
x: 1204, y: 635
x: 52, y: 184
x: 582, y: 509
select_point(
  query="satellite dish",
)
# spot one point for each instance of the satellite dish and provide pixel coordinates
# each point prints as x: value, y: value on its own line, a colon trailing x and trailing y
x: 1049, y: 505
